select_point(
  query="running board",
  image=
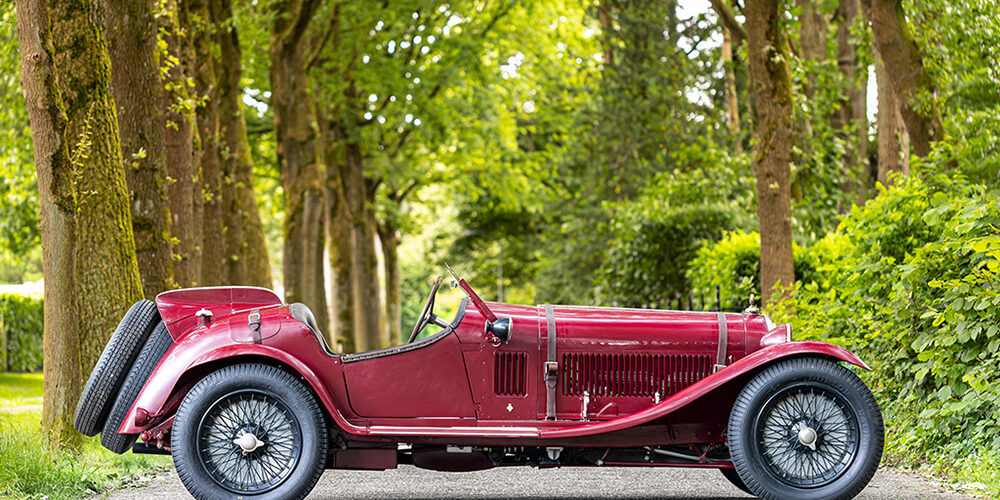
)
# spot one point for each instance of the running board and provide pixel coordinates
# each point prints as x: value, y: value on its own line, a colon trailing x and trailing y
x: 393, y: 430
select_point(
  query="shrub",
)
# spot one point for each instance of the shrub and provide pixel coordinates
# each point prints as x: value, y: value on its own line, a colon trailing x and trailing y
x: 915, y: 291
x: 655, y: 236
x: 732, y: 265
x: 21, y: 327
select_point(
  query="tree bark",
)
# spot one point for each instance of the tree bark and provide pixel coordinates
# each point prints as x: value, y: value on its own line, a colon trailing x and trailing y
x: 228, y: 72
x: 255, y: 255
x: 893, y: 141
x: 299, y: 158
x: 906, y: 74
x: 181, y: 153
x: 339, y: 231
x: 364, y: 262
x: 88, y: 251
x: 729, y: 80
x: 853, y: 110
x: 388, y: 235
x: 212, y: 244
x: 138, y: 93
x: 771, y: 82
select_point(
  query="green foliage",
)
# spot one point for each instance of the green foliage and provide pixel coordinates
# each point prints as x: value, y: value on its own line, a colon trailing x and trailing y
x: 31, y: 470
x: 20, y: 333
x: 910, y: 281
x: 19, y: 233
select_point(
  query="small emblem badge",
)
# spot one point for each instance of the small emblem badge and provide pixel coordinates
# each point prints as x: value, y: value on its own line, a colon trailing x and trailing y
x: 510, y: 407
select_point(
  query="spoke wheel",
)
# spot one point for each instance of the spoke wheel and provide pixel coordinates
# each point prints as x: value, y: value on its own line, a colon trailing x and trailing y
x: 249, y: 431
x: 249, y: 442
x: 805, y: 428
x: 808, y: 435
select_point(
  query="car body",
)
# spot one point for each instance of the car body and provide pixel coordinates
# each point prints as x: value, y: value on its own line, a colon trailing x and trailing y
x: 500, y: 384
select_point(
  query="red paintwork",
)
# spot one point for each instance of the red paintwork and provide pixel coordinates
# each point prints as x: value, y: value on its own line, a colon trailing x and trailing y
x: 447, y: 392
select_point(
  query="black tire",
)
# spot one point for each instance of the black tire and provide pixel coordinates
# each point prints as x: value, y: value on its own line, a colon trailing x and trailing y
x: 113, y: 366
x: 150, y: 356
x: 806, y: 428
x: 734, y: 478
x: 242, y: 400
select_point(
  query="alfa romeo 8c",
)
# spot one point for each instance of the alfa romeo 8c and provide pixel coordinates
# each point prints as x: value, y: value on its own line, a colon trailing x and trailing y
x: 250, y: 400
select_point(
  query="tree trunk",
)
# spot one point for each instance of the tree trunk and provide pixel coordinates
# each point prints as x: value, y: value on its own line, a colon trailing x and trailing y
x: 88, y: 252
x: 388, y: 235
x: 299, y: 158
x: 852, y: 112
x: 893, y: 141
x: 364, y: 262
x: 813, y: 28
x: 180, y: 153
x: 604, y: 13
x: 732, y: 95
x: 205, y: 80
x: 339, y: 231
x: 255, y: 255
x: 906, y: 74
x: 771, y: 82
x: 138, y: 93
x: 227, y: 74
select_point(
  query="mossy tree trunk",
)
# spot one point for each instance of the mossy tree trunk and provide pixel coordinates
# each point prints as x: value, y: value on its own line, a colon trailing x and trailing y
x: 852, y: 114
x: 182, y: 145
x: 135, y: 83
x: 299, y: 157
x: 893, y: 141
x: 907, y: 76
x: 89, y: 259
x: 246, y: 253
x: 767, y: 49
x: 339, y: 231
x: 201, y: 27
x: 388, y: 235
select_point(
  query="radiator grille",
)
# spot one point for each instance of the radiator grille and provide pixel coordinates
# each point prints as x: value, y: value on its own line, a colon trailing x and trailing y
x: 510, y: 374
x: 620, y: 375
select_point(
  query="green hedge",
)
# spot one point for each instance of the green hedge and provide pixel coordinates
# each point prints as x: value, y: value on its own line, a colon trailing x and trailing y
x: 21, y: 320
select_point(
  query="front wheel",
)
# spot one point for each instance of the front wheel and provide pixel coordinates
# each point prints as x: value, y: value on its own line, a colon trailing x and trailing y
x: 806, y: 428
x: 250, y: 431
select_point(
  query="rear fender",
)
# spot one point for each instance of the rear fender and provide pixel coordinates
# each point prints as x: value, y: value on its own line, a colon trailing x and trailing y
x: 163, y: 383
x: 706, y: 386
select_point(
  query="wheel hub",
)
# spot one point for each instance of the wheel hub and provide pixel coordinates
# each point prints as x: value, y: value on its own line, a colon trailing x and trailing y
x: 248, y: 442
x: 807, y: 437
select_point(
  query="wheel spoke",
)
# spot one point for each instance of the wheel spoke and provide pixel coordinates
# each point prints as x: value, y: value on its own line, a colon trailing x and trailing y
x: 249, y: 470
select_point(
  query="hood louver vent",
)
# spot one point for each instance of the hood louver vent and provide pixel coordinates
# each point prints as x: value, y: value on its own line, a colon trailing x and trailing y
x: 631, y: 375
x: 511, y: 373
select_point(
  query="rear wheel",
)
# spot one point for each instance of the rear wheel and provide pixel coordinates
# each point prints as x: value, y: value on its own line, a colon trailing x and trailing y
x: 806, y: 428
x: 249, y: 430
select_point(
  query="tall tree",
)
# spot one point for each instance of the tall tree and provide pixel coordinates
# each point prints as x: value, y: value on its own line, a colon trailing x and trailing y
x: 246, y: 253
x: 893, y: 141
x: 89, y: 258
x: 767, y: 51
x: 135, y: 83
x: 201, y: 32
x: 183, y: 146
x: 906, y: 73
x: 852, y: 112
x: 299, y: 155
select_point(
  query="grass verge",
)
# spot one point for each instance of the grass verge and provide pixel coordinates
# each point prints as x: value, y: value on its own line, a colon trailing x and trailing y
x: 30, y: 470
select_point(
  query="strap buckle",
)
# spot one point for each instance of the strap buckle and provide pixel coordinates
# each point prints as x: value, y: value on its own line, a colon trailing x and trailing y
x: 551, y: 371
x: 254, y: 319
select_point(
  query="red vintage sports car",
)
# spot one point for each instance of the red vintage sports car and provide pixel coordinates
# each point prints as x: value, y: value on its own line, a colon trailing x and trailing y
x: 247, y: 396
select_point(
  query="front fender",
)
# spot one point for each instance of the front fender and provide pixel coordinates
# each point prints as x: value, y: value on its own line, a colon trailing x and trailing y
x: 187, y: 356
x: 695, y: 391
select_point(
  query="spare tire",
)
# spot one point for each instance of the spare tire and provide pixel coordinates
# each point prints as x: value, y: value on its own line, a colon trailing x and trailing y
x: 151, y: 355
x: 113, y: 366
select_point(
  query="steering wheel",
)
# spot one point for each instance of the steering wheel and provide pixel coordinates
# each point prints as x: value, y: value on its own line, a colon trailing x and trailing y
x: 427, y: 313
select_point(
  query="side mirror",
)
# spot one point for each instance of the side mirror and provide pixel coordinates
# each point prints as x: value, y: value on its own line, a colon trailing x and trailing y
x: 499, y: 330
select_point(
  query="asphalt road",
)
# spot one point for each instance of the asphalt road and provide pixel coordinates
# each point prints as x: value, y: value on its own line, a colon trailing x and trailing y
x: 408, y: 482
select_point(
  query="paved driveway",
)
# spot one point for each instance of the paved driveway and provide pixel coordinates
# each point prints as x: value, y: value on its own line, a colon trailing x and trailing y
x: 408, y: 482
